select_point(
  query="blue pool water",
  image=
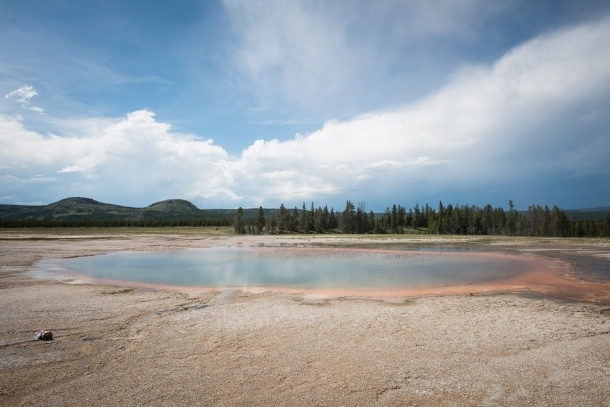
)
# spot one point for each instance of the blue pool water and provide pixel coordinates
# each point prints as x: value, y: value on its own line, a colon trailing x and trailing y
x: 304, y: 268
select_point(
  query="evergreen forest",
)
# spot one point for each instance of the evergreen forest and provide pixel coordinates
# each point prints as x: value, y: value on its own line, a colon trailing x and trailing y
x: 450, y: 220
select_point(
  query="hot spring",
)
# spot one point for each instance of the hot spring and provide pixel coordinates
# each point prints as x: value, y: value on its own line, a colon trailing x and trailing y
x: 297, y: 268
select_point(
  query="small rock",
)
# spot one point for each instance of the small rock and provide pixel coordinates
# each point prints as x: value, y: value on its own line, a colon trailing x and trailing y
x: 43, y: 335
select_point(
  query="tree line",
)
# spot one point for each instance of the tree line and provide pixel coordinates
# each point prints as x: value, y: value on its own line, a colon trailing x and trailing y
x: 449, y: 219
x: 113, y: 223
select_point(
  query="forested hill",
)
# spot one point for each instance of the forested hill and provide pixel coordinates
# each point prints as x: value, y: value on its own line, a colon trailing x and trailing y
x: 89, y: 212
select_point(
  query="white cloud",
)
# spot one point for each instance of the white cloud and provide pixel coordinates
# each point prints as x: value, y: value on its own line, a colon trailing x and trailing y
x: 70, y: 168
x: 490, y: 124
x: 520, y: 116
x: 37, y: 109
x: 123, y: 159
x: 23, y: 95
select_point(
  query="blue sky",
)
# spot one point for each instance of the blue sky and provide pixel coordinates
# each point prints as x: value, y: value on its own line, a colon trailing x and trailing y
x: 247, y: 103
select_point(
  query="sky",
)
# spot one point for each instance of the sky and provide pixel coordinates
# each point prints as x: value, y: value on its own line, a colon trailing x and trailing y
x: 258, y: 103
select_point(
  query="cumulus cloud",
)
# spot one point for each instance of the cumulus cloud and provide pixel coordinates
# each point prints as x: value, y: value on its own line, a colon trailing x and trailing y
x: 121, y: 159
x: 511, y: 120
x: 539, y: 110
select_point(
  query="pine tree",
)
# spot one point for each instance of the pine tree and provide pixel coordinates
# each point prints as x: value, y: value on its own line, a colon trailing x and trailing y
x: 282, y: 220
x: 511, y: 222
x: 416, y: 217
x: 238, y: 224
x: 294, y: 220
x: 372, y: 222
x: 362, y: 220
x: 348, y: 218
x: 440, y: 225
x: 318, y: 220
x: 333, y: 223
x: 304, y: 220
x: 394, y: 219
x: 560, y: 226
x: 325, y: 219
x: 260, y: 220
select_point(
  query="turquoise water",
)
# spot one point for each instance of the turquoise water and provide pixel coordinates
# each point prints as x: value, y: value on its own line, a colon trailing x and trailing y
x: 305, y: 268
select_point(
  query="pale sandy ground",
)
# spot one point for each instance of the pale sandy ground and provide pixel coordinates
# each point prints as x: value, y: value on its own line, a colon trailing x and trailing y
x: 122, y: 346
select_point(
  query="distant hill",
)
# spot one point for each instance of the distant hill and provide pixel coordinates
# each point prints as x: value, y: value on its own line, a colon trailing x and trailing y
x: 80, y: 209
x: 599, y: 213
x: 174, y: 206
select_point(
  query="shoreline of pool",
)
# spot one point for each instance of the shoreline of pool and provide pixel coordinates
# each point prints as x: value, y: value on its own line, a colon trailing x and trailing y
x: 553, y: 277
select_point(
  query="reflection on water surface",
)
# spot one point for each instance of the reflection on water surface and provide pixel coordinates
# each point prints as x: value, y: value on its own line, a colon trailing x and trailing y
x: 305, y: 268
